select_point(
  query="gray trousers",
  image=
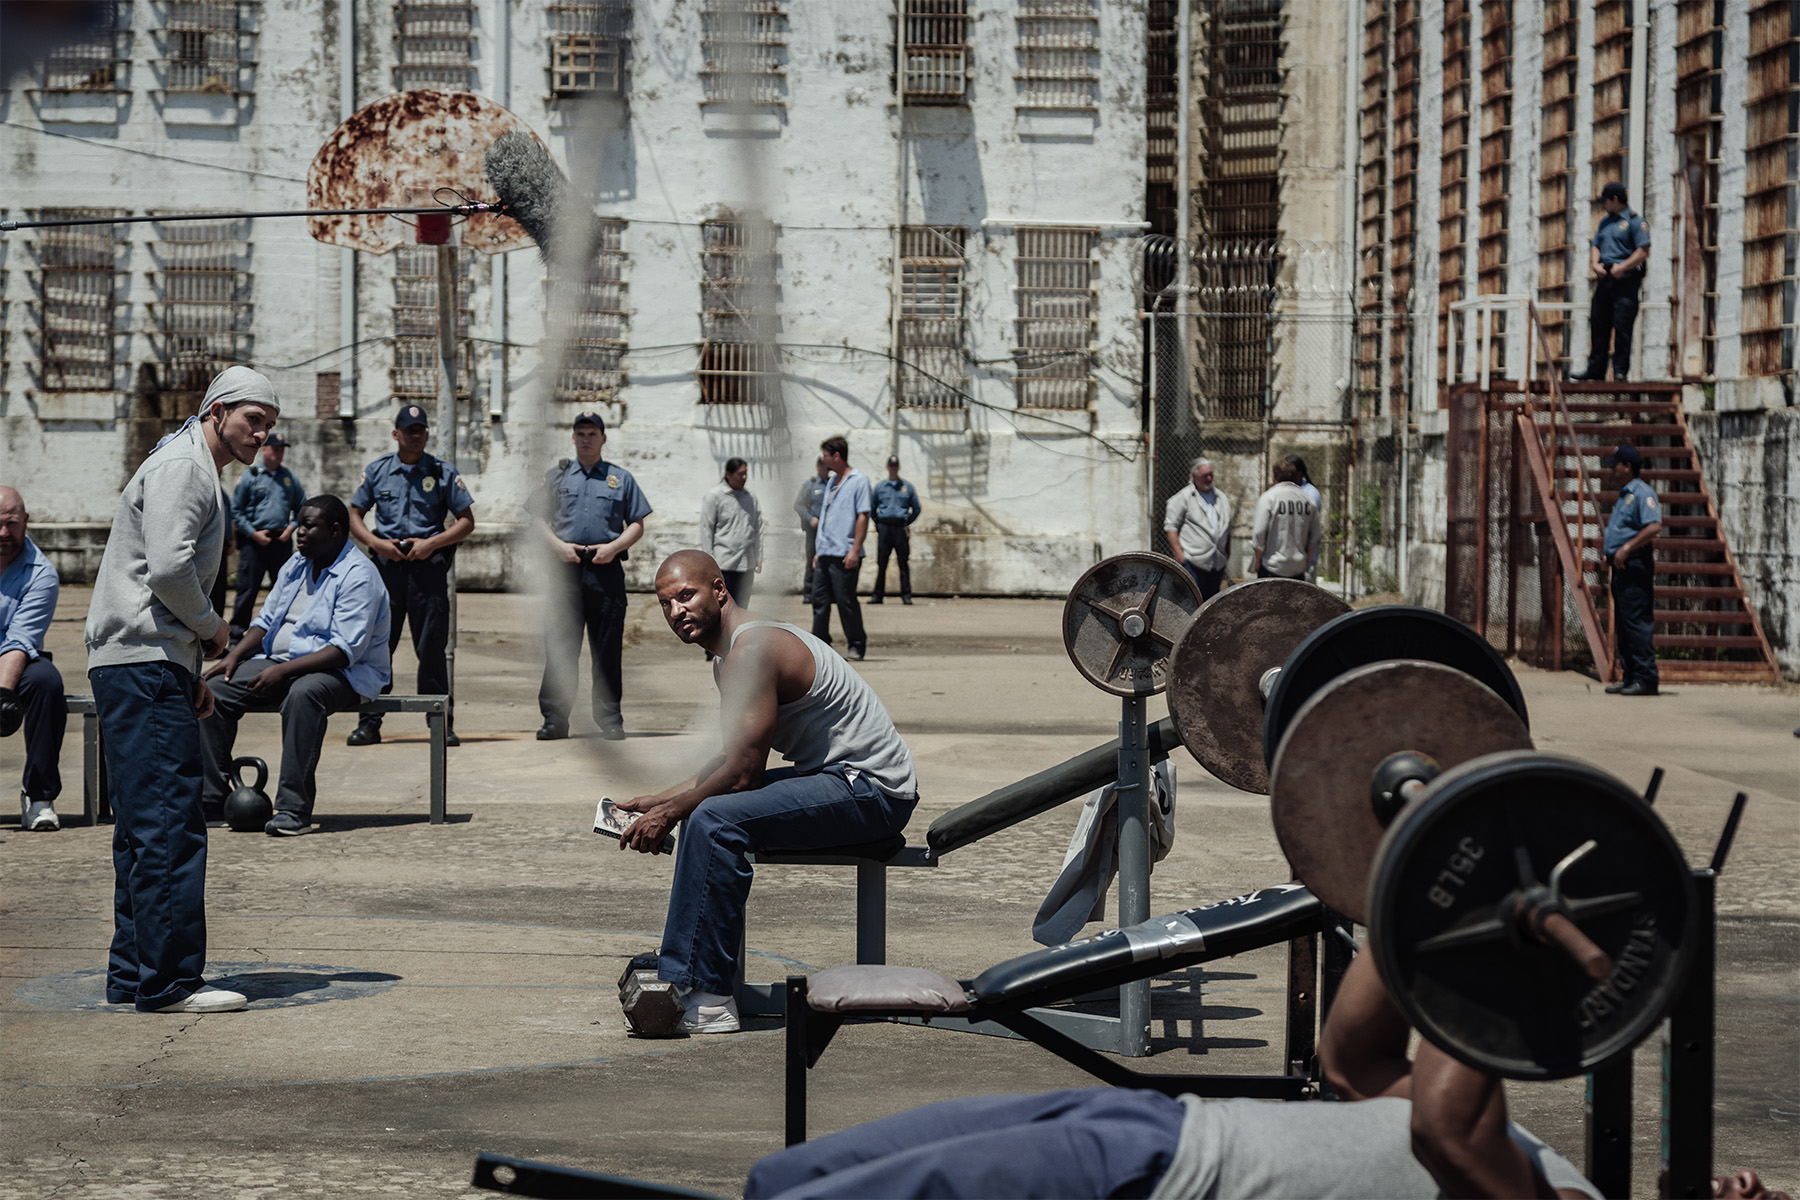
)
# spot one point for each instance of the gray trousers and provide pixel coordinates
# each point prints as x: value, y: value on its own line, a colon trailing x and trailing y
x: 305, y: 705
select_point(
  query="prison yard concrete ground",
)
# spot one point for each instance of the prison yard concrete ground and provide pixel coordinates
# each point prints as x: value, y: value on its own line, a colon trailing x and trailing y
x: 427, y: 992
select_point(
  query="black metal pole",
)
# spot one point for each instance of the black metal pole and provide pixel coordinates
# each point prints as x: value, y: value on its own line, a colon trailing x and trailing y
x: 1608, y: 1112
x: 1687, y: 1092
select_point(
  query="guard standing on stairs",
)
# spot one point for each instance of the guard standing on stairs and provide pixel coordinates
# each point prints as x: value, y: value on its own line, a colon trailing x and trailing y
x: 1616, y: 257
x: 1636, y: 519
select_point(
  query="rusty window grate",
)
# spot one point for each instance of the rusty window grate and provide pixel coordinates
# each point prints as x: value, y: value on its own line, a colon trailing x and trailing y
x: 209, y: 46
x: 1372, y: 215
x: 934, y: 322
x: 1494, y: 211
x: 589, y: 43
x: 1055, y: 324
x: 744, y: 47
x: 434, y: 46
x: 100, y: 61
x: 1612, y: 92
x: 1557, y: 241
x: 1058, y: 54
x: 592, y: 369
x: 78, y: 298
x: 1403, y: 162
x: 1160, y: 137
x: 1699, y: 128
x: 415, y: 314
x: 1771, y: 194
x: 201, y: 313
x: 1453, y: 176
x: 739, y: 361
x: 937, y: 51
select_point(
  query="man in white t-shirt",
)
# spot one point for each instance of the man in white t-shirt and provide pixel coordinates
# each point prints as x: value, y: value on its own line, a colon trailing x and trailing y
x: 1197, y: 522
x: 1287, y: 532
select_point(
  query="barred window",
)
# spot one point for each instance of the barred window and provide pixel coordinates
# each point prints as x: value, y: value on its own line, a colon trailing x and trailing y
x: 592, y: 370
x: 1056, y: 317
x: 934, y: 324
x: 100, y: 61
x: 434, y: 46
x: 739, y: 362
x: 208, y: 47
x: 589, y: 40
x: 1059, y: 54
x: 937, y: 52
x: 744, y: 45
x: 78, y: 281
x: 200, y: 318
x: 416, y: 324
x: 1771, y: 192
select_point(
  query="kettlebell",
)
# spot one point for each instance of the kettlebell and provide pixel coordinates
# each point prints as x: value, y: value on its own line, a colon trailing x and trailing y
x: 248, y: 808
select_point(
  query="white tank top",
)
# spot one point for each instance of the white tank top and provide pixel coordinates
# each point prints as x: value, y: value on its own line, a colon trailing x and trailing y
x: 839, y: 722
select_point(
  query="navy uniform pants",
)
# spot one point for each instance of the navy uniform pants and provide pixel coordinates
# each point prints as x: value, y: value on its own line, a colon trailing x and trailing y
x: 154, y: 769
x: 834, y: 583
x: 46, y: 717
x: 1208, y: 582
x: 890, y: 538
x: 1610, y: 320
x: 1634, y: 613
x: 586, y: 599
x: 305, y: 704
x: 255, y: 563
x: 419, y: 597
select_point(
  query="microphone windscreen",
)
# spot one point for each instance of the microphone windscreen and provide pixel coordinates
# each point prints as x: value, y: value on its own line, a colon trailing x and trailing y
x: 537, y: 196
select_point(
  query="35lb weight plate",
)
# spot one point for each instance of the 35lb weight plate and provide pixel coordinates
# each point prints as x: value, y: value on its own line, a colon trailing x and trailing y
x: 1459, y: 963
x: 1215, y: 672
x: 1122, y: 619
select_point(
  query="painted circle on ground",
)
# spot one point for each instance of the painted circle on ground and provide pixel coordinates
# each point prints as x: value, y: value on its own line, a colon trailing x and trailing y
x: 265, y: 984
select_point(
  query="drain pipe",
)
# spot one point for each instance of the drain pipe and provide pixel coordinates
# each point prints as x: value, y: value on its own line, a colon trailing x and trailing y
x: 497, y: 284
x: 347, y: 256
x: 1637, y: 120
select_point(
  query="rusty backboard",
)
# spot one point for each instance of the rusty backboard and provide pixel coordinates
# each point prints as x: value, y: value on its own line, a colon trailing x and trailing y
x: 397, y: 152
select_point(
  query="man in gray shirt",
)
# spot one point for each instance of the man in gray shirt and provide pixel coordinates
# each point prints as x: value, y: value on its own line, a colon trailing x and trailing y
x: 731, y: 529
x: 150, y: 623
x: 1197, y: 522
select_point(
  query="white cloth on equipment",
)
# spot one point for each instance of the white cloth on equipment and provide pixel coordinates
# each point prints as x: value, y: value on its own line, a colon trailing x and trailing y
x: 1079, y: 893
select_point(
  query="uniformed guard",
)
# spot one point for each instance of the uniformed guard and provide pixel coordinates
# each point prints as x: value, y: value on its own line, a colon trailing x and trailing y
x: 592, y: 512
x: 1616, y: 258
x: 423, y: 511
x: 264, y: 506
x: 1636, y: 520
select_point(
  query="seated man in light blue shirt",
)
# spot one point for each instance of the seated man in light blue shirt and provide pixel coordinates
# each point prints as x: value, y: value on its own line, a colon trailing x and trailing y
x: 31, y: 689
x: 319, y: 646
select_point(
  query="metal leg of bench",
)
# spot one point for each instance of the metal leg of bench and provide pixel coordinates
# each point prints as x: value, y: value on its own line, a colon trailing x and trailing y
x: 93, y: 767
x: 1302, y: 1003
x: 797, y: 1013
x: 439, y: 752
x: 871, y: 912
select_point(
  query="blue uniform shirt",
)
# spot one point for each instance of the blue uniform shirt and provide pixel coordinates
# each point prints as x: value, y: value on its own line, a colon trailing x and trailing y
x: 896, y: 500
x: 1635, y: 508
x: 348, y: 609
x: 265, y: 499
x: 589, y: 507
x: 1619, y: 235
x: 837, y: 513
x: 411, y: 502
x: 27, y: 602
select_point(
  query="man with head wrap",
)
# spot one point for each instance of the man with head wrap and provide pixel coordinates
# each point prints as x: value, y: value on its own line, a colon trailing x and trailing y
x: 150, y: 625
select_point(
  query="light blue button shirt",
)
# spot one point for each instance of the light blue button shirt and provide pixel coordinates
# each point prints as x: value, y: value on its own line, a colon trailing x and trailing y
x: 1635, y: 508
x: 411, y: 502
x: 844, y: 499
x: 27, y: 601
x: 348, y: 609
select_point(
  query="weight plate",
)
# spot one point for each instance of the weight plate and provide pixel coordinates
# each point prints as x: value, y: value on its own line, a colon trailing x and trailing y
x: 1319, y: 788
x: 1214, y: 673
x: 1440, y: 927
x: 1378, y: 634
x: 1124, y: 617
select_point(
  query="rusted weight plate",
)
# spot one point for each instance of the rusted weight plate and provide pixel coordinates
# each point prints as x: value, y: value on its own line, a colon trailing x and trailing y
x: 395, y: 153
x: 1124, y: 617
x: 1215, y: 673
x: 1319, y: 786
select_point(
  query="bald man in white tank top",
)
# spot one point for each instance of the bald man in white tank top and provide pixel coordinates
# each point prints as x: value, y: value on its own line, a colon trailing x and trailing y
x: 850, y: 778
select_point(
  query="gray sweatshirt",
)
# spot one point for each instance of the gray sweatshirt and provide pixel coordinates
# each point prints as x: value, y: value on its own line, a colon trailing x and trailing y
x: 152, y: 595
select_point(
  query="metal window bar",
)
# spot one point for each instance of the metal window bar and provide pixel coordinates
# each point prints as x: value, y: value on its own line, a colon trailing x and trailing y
x: 1771, y: 192
x: 932, y: 340
x: 589, y: 42
x: 739, y: 361
x: 743, y: 48
x: 1055, y: 324
x: 593, y: 368
x: 78, y: 345
x: 1160, y: 135
x: 937, y: 52
x: 1372, y: 215
x: 201, y: 316
x: 1058, y: 54
x: 208, y: 44
x: 1453, y: 174
x: 1612, y: 90
x: 1557, y: 243
x: 434, y: 45
x: 415, y: 374
x: 100, y: 61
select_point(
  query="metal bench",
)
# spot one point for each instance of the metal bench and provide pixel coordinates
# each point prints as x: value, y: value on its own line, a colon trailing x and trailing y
x: 96, y: 803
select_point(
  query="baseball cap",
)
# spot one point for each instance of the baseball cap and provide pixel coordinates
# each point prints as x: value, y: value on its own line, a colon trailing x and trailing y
x: 893, y: 460
x: 275, y: 439
x: 591, y: 418
x: 1613, y: 191
x: 411, y: 415
x: 1623, y: 454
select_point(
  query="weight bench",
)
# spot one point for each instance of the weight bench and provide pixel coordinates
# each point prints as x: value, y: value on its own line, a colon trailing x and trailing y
x: 96, y: 802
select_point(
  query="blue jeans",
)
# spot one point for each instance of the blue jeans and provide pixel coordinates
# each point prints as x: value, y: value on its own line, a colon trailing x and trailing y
x: 153, y: 765
x: 1083, y: 1142
x: 712, y: 874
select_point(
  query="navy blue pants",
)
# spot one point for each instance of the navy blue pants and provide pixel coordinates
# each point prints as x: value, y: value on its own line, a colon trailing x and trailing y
x: 1611, y: 317
x: 713, y: 874
x: 738, y: 584
x: 588, y: 599
x: 419, y: 597
x: 255, y: 563
x: 1208, y: 582
x: 46, y: 717
x: 891, y: 539
x: 1634, y: 613
x: 834, y: 583
x: 1085, y: 1142
x: 154, y: 769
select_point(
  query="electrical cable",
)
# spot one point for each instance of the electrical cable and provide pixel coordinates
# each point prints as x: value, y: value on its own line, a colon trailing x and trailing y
x: 187, y: 162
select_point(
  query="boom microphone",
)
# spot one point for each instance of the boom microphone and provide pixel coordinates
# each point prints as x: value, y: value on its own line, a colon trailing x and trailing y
x: 537, y: 195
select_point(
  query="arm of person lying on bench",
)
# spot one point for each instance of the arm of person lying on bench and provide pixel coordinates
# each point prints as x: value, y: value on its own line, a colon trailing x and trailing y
x: 1362, y: 1049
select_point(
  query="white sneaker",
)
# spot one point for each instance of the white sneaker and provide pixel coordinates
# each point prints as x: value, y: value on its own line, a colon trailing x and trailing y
x: 707, y: 1013
x: 39, y: 817
x: 208, y: 999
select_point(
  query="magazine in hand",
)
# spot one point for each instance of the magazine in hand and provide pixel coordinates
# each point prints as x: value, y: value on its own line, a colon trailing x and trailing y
x: 613, y: 821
